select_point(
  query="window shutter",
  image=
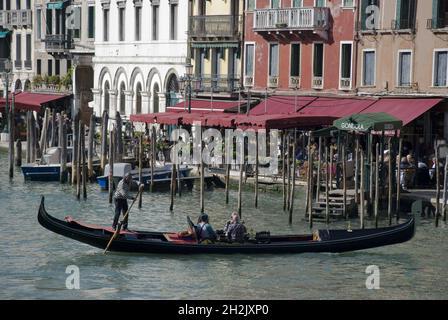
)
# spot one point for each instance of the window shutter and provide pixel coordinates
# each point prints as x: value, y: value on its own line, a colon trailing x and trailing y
x: 364, y: 6
x: 398, y: 17
x: 435, y: 13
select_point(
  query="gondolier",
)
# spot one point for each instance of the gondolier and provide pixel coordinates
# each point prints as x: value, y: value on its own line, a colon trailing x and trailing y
x: 121, y: 196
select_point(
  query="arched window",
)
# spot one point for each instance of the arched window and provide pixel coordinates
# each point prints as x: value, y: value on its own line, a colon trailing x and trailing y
x: 18, y: 85
x: 106, y: 96
x: 122, y: 99
x: 138, y: 98
x: 155, y: 94
x: 27, y: 86
x: 172, y: 89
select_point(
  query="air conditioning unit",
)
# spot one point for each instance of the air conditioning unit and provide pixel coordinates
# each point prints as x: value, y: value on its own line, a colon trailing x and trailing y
x: 294, y: 82
x: 273, y: 82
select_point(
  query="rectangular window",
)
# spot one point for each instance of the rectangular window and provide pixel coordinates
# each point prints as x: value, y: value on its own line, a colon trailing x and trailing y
x: 368, y: 20
x: 49, y: 18
x: 91, y: 27
x: 138, y: 23
x: 250, y: 5
x: 106, y: 25
x: 275, y: 4
x: 121, y: 24
x: 39, y: 67
x: 273, y: 60
x: 173, y: 22
x: 320, y: 3
x: 440, y: 68
x: 8, y: 4
x: 57, y: 67
x: 440, y: 13
x: 249, y: 64
x: 28, y: 4
x: 368, y: 68
x: 69, y: 65
x: 19, y: 48
x: 77, y: 31
x: 404, y: 69
x: 406, y: 10
x: 348, y: 3
x: 18, y: 5
x: 155, y: 22
x: 297, y: 3
x: 346, y: 61
x: 39, y: 24
x: 58, y: 16
x: 28, y: 48
x: 295, y: 60
x: 1, y: 4
x: 318, y: 60
x: 50, y: 67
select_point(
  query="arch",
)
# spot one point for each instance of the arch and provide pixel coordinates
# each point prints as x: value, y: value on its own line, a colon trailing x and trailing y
x: 18, y: 85
x: 27, y: 86
x: 153, y: 77
x: 170, y: 80
x: 136, y: 77
x: 120, y: 75
x: 122, y: 97
x: 104, y: 74
x: 138, y: 98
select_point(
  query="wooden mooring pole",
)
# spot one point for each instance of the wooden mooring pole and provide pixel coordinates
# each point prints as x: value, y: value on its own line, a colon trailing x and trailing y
x: 344, y: 182
x: 445, y: 182
x: 63, y: 145
x: 111, y: 164
x: 78, y: 164
x: 310, y: 182
x: 362, y: 189
x: 327, y: 189
x: 319, y: 168
x: 83, y: 157
x: 140, y: 168
x: 173, y: 186
x: 389, y: 183
x: 398, y: 166
x: 240, y: 188
x: 377, y: 184
x: 291, y: 205
x: 256, y: 171
x: 90, y: 146
x: 28, y: 136
x: 436, y: 149
x: 283, y: 156
x: 18, y: 155
x: 104, y: 147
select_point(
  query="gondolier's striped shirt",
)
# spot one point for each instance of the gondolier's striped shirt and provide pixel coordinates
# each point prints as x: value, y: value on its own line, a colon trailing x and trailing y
x: 122, y: 191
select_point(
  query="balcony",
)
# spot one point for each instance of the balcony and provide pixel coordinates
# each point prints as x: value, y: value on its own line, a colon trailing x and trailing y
x: 294, y: 82
x: 273, y: 81
x: 292, y: 19
x: 437, y: 25
x: 18, y: 64
x: 218, y: 83
x: 345, y: 84
x: 58, y: 43
x: 403, y: 24
x: 16, y: 18
x: 28, y: 64
x: 248, y: 81
x: 318, y: 83
x: 225, y: 26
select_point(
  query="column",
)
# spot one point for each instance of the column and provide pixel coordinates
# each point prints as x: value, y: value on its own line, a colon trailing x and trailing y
x: 97, y: 102
x: 112, y: 103
x: 146, y: 104
x: 129, y: 102
x: 162, y: 102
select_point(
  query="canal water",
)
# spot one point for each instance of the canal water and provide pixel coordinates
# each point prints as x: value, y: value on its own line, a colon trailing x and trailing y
x: 33, y: 260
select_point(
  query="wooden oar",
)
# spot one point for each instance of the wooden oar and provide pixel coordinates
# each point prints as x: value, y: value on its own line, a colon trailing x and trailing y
x: 140, y: 190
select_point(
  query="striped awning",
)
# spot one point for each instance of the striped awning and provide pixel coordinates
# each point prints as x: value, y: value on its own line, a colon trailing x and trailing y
x: 56, y: 4
x: 201, y: 45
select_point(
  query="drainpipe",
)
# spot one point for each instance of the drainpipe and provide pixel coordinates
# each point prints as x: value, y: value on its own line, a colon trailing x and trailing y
x: 356, y: 48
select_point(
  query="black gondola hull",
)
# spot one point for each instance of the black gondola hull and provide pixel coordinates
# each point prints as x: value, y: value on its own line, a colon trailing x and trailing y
x: 332, y: 241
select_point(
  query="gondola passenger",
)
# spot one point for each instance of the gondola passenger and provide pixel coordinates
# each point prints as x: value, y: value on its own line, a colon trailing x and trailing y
x: 234, y: 229
x: 204, y: 230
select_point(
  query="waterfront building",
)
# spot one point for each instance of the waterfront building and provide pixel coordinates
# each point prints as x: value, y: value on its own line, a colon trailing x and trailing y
x: 140, y: 53
x: 299, y: 47
x: 402, y: 51
x: 215, y: 38
x: 16, y: 42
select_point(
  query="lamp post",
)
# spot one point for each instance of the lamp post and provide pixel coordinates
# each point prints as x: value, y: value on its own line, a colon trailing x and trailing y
x: 185, y: 82
x: 5, y: 76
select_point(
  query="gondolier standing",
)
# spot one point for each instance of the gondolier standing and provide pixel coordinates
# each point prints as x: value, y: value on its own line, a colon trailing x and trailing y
x: 121, y: 196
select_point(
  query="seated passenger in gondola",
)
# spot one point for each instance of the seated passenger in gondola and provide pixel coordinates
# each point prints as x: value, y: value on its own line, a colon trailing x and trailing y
x: 204, y: 230
x: 234, y: 229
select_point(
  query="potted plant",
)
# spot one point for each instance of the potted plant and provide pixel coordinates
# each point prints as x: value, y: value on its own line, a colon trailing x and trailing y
x: 66, y: 80
x: 37, y: 81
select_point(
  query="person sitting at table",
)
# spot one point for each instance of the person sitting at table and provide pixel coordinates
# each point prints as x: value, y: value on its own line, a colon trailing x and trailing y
x: 234, y: 229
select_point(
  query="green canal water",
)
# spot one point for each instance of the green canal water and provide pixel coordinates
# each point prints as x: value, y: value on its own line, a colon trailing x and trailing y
x: 34, y: 261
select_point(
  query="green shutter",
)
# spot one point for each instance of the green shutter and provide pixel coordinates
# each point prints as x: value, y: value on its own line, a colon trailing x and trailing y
x: 435, y: 13
x: 398, y: 16
x: 364, y: 6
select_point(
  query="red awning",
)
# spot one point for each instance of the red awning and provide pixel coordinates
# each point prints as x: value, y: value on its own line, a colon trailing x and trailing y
x: 336, y: 107
x: 283, y: 121
x: 406, y: 110
x: 25, y: 101
x: 204, y: 106
x: 281, y: 105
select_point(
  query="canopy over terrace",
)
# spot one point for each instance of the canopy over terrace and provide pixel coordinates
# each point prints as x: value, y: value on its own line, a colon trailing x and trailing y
x: 29, y: 101
x: 201, y: 106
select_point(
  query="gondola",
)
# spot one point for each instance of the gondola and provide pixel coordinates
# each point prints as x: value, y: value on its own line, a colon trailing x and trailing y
x: 169, y: 242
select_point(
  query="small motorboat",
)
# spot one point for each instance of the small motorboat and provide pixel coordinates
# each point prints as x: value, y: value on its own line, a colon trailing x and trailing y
x: 121, y: 169
x: 170, y: 242
x: 48, y: 168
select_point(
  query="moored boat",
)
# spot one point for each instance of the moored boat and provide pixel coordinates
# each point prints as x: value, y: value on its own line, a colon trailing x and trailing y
x: 169, y: 242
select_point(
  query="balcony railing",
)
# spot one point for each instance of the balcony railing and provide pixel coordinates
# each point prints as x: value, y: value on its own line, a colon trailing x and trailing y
x: 294, y: 82
x: 16, y: 18
x: 403, y: 24
x: 28, y: 64
x: 225, y: 26
x: 345, y: 83
x: 58, y: 42
x: 317, y: 82
x: 437, y: 24
x: 273, y: 81
x: 248, y: 81
x: 292, y: 19
x: 219, y: 83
